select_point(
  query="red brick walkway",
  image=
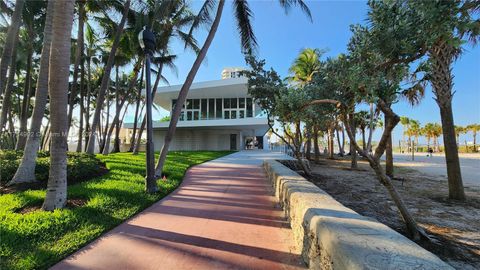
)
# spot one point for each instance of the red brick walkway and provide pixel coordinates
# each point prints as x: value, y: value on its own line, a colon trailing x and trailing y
x: 222, y: 217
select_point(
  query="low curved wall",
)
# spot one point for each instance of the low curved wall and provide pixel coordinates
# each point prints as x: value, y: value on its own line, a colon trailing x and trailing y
x: 332, y: 236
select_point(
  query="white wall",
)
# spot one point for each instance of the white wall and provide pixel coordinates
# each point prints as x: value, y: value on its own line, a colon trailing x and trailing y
x: 197, y: 139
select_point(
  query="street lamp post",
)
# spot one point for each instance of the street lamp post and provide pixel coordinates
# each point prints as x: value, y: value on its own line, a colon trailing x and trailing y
x: 146, y: 38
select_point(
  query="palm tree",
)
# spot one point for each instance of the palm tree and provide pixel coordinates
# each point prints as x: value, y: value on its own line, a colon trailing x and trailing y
x: 26, y: 169
x: 56, y: 196
x: 10, y: 43
x: 474, y: 128
x: 459, y: 130
x: 248, y: 40
x: 413, y: 131
x: 305, y: 66
x: 436, y: 132
x: 405, y: 122
x: 106, y: 80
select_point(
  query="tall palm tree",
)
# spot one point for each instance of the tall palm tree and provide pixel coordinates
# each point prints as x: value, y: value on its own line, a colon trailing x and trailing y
x: 106, y: 79
x: 248, y: 40
x: 10, y: 43
x: 58, y: 84
x: 26, y: 169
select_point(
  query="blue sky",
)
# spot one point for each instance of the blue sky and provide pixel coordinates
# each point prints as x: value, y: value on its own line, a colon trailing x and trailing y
x: 281, y: 36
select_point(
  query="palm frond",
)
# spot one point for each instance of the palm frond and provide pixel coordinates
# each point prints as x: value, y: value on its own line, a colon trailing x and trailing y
x: 243, y: 15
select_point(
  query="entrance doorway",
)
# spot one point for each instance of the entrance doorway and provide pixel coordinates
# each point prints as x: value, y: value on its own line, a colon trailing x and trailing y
x: 233, y: 142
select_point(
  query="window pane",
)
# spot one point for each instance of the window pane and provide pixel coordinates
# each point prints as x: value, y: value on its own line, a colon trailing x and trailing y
x: 174, y: 101
x: 196, y: 114
x: 233, y: 114
x: 189, y: 115
x: 226, y: 103
x: 242, y: 114
x: 233, y: 103
x: 189, y: 104
x: 204, y: 109
x: 211, y: 108
x: 249, y: 107
x: 226, y: 114
x: 241, y: 103
x: 196, y: 104
x: 219, y: 109
x: 182, y: 116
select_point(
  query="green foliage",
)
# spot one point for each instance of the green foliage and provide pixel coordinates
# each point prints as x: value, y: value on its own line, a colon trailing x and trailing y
x: 38, y: 239
x: 78, y: 165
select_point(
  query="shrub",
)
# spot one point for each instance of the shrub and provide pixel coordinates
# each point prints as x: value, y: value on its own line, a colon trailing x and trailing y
x: 80, y: 166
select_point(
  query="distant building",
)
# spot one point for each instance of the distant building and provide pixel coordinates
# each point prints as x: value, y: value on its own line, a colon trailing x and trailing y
x: 231, y: 72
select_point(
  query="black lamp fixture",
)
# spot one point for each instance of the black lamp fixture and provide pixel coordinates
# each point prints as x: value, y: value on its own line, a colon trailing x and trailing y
x: 146, y: 38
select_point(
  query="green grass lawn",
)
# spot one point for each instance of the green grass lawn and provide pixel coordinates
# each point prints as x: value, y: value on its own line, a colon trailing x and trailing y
x: 39, y: 239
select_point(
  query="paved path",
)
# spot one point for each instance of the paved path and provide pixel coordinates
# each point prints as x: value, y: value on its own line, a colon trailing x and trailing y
x: 436, y: 166
x: 222, y: 217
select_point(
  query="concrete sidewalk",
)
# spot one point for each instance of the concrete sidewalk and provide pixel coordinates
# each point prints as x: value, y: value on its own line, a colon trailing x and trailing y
x: 223, y: 216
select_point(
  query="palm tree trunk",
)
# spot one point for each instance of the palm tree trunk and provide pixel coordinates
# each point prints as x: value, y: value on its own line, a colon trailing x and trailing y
x: 107, y: 119
x: 106, y: 148
x: 58, y: 84
x: 106, y: 79
x: 45, y: 134
x: 82, y: 107
x: 26, y: 169
x: 22, y: 135
x: 116, y: 143
x: 88, y: 99
x: 78, y: 58
x: 137, y: 109
x: 7, y: 98
x: 186, y: 87
x: 442, y: 55
x: 144, y: 121
x: 10, y: 43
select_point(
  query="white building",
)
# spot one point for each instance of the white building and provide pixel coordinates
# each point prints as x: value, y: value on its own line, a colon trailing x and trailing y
x: 217, y: 115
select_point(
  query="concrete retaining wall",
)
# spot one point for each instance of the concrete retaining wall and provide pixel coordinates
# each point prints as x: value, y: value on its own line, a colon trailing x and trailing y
x: 332, y: 236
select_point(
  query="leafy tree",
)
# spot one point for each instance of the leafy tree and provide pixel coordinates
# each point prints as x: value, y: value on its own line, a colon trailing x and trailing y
x: 432, y: 32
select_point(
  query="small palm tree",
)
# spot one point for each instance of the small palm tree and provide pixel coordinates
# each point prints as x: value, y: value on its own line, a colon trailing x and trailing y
x: 474, y: 128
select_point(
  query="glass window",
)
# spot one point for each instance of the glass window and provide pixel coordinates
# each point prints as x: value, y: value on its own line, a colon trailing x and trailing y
x: 219, y: 109
x: 196, y: 115
x: 249, y: 107
x: 226, y: 103
x: 182, y: 116
x: 211, y: 108
x: 189, y: 104
x: 233, y: 114
x: 189, y: 115
x: 233, y: 103
x: 226, y: 114
x: 241, y: 103
x: 204, y: 109
x: 174, y: 101
x: 196, y: 104
x: 241, y: 114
